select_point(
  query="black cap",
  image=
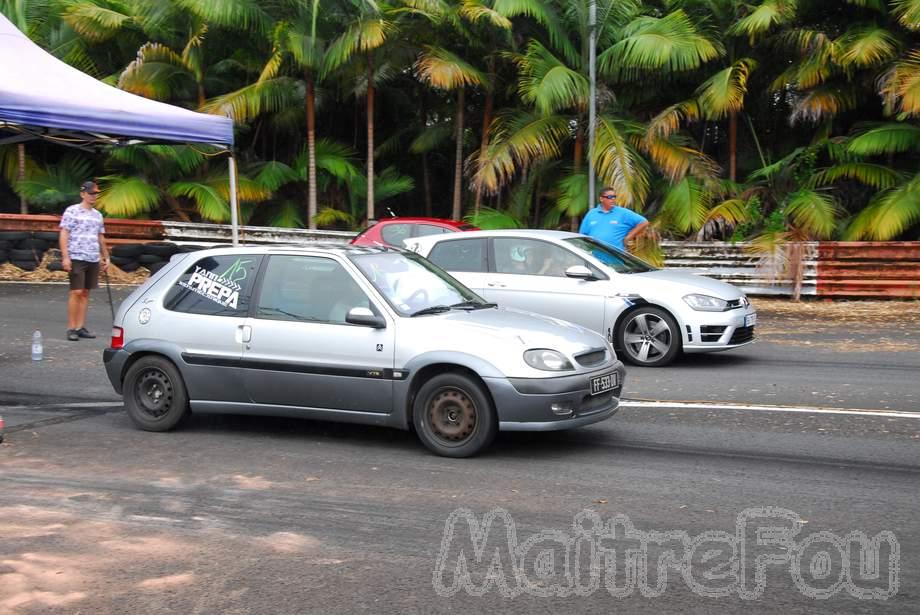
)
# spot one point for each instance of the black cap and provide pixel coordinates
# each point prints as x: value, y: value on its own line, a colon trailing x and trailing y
x: 88, y: 186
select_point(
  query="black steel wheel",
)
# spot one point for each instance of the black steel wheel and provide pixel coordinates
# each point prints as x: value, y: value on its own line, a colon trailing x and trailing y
x: 453, y: 416
x: 155, y: 395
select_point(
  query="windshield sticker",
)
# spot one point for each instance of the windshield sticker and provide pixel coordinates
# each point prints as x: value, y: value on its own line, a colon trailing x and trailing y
x: 217, y: 288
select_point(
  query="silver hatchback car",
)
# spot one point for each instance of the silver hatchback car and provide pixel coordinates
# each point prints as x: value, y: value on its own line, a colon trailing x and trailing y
x: 347, y: 333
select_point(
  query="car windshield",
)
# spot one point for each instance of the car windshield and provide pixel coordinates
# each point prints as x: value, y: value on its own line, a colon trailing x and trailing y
x: 619, y: 261
x: 413, y: 286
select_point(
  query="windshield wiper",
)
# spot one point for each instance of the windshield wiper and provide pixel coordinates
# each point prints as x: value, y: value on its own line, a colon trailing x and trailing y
x: 434, y: 309
x: 475, y: 305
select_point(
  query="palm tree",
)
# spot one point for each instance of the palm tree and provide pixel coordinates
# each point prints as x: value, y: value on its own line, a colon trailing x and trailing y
x: 370, y: 26
x: 442, y: 69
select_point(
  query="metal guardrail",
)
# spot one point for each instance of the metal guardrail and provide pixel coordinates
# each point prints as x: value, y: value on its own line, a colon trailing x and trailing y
x: 731, y: 263
x: 831, y: 269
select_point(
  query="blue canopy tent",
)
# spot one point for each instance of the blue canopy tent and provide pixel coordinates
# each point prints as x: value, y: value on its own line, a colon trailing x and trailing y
x: 44, y: 98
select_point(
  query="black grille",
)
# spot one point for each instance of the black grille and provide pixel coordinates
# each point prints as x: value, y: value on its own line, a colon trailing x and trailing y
x: 710, y: 333
x: 592, y: 358
x: 742, y: 335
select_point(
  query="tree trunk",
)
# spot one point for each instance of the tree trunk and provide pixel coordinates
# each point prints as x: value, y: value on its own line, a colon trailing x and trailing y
x: 176, y: 207
x: 484, y: 143
x: 21, y: 176
x: 426, y: 182
x: 370, y: 137
x: 458, y: 164
x: 311, y: 151
x: 733, y: 146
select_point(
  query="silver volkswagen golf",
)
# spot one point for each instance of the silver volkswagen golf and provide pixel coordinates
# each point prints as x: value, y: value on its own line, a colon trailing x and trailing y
x: 651, y: 315
x: 358, y: 334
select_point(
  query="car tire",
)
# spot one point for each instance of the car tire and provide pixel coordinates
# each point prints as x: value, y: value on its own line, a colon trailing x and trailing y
x: 453, y: 416
x: 638, y: 333
x: 155, y: 395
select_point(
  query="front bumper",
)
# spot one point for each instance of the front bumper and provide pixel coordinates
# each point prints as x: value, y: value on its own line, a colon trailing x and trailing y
x: 715, y: 331
x: 525, y: 404
x: 114, y: 361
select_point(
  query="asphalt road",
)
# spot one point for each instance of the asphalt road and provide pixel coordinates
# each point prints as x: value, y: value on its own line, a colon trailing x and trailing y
x: 256, y: 515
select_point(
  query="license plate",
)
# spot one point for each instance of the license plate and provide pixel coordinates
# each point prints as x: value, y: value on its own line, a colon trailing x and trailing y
x: 750, y: 320
x: 602, y: 384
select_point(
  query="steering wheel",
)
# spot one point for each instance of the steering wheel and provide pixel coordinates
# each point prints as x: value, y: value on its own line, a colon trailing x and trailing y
x: 420, y: 296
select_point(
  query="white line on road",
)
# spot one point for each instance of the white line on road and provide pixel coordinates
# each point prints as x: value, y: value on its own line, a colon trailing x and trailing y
x: 751, y: 408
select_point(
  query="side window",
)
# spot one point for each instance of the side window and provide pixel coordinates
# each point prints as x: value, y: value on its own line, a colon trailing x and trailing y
x: 394, y: 234
x: 308, y: 289
x: 430, y: 229
x: 532, y: 257
x: 460, y: 255
x: 216, y: 286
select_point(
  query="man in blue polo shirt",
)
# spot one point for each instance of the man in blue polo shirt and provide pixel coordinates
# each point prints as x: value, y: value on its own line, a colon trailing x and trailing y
x: 611, y: 224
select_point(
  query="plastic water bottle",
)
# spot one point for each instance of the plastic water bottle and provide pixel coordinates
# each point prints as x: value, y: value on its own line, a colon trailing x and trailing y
x: 37, y: 345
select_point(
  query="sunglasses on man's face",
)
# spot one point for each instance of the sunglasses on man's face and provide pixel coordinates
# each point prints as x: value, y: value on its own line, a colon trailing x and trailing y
x: 608, y: 196
x: 94, y: 193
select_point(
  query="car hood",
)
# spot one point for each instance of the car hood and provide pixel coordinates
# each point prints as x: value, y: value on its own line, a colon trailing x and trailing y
x: 688, y: 282
x: 526, y: 329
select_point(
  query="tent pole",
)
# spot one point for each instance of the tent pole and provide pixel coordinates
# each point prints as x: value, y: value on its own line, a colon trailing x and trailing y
x: 234, y: 218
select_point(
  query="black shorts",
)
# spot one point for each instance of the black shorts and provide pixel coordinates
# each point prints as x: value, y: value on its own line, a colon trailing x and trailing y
x: 84, y: 275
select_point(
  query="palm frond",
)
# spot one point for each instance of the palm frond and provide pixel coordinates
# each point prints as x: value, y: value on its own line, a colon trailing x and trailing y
x: 763, y: 18
x: 668, y: 121
x: 724, y: 92
x: 822, y: 103
x: 543, y: 13
x: 547, y: 83
x: 671, y: 43
x: 813, y: 212
x: 273, y: 174
x: 618, y: 163
x: 330, y: 216
x: 248, y: 102
x: 232, y: 14
x: 572, y: 194
x: 286, y: 215
x: 430, y: 138
x: 900, y: 86
x: 207, y: 200
x: 865, y: 46
x: 518, y: 140
x: 685, y: 205
x: 888, y: 214
x: 891, y: 138
x: 675, y: 157
x: 442, y: 69
x: 875, y: 175
x: 475, y: 11
x: 732, y: 211
x: 491, y: 219
x: 56, y: 185
x: 93, y: 22
x: 126, y: 197
x: 908, y: 12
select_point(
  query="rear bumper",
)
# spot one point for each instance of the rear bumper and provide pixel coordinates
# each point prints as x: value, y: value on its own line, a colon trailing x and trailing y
x: 114, y: 361
x: 527, y: 404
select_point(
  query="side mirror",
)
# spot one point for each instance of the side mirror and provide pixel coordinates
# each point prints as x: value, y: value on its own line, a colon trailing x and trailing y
x: 579, y: 272
x: 366, y: 318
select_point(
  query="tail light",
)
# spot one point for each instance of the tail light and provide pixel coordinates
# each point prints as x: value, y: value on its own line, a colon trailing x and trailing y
x: 118, y: 338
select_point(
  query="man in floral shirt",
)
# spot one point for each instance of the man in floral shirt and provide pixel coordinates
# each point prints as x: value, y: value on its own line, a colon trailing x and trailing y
x: 83, y: 251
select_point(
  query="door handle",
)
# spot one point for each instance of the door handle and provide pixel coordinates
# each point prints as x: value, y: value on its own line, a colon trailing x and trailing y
x: 243, y: 334
x: 495, y: 285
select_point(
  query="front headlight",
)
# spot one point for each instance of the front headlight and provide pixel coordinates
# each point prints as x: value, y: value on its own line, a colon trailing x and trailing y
x: 705, y: 303
x: 547, y: 360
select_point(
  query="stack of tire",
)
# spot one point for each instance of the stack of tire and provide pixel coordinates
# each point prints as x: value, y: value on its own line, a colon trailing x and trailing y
x: 153, y: 256
x: 26, y: 249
